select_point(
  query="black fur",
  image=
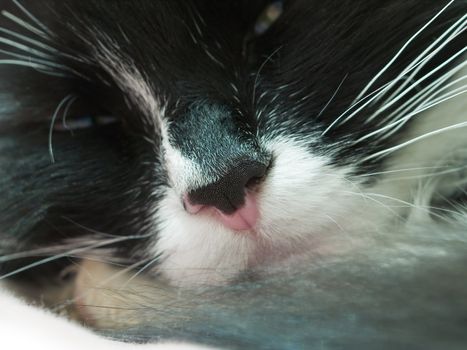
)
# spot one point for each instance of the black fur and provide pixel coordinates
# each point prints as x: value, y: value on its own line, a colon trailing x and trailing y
x: 100, y: 178
x: 221, y: 89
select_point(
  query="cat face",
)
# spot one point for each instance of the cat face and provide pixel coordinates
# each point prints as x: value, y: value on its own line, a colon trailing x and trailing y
x: 215, y: 145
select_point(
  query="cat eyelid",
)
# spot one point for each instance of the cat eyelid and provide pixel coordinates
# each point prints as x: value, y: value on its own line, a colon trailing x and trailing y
x: 83, y: 122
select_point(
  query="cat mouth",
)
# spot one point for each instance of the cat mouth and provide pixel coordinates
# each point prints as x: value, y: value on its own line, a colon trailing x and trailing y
x: 244, y: 218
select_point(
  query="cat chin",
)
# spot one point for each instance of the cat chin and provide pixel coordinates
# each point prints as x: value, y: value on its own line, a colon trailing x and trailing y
x: 307, y: 206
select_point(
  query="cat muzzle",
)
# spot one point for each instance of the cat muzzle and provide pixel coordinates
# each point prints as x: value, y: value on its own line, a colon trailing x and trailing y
x: 231, y: 199
x: 243, y: 218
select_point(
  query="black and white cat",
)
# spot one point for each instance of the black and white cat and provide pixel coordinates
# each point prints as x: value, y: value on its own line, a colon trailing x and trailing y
x: 211, y: 145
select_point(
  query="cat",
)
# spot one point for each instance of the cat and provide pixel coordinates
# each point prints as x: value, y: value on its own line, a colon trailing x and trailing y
x: 204, y: 146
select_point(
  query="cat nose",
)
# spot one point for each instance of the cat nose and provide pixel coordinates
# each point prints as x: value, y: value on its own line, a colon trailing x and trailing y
x: 230, y: 196
x: 228, y: 193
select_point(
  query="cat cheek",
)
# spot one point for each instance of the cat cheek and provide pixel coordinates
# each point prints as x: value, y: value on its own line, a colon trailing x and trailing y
x: 301, y: 194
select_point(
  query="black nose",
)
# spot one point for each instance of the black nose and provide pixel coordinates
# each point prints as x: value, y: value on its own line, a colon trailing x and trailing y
x: 228, y: 193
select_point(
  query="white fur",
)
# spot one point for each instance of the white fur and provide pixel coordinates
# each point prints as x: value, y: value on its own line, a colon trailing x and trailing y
x: 197, y: 249
x: 429, y: 155
x: 183, y: 172
x: 309, y: 206
x: 296, y: 215
x: 129, y: 78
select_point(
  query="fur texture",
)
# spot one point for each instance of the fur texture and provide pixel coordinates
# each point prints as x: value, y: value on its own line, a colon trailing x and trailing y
x: 344, y: 121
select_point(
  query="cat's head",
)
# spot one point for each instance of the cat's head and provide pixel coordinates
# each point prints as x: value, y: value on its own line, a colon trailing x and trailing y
x: 210, y: 135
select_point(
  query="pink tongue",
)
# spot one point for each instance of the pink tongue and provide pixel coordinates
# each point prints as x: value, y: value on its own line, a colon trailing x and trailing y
x: 244, y: 218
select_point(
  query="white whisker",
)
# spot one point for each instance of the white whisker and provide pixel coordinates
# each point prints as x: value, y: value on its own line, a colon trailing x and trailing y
x: 25, y: 48
x: 66, y: 254
x: 29, y: 14
x: 101, y: 284
x: 29, y: 40
x: 65, y: 113
x: 414, y: 140
x: 448, y: 96
x: 455, y: 30
x: 385, y: 206
x: 400, y: 122
x: 50, y: 72
x: 422, y: 95
x: 24, y: 24
x: 370, y: 97
x: 255, y: 84
x: 50, y: 64
x: 52, y: 123
x: 141, y: 270
x: 401, y: 50
x: 47, y: 251
x: 424, y: 58
x: 386, y: 105
x: 426, y: 209
x: 428, y: 175
x: 332, y: 97
x: 450, y: 169
x: 28, y: 64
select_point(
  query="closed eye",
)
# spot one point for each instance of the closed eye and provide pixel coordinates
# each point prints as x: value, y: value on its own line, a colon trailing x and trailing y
x: 83, y: 122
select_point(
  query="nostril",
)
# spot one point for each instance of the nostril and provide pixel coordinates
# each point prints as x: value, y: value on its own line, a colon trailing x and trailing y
x: 259, y: 173
x: 228, y: 193
x: 253, y: 173
x: 254, y: 181
x: 243, y: 218
x: 190, y: 207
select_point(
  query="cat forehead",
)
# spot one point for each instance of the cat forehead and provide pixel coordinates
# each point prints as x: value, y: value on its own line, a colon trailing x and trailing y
x: 166, y: 27
x: 165, y: 49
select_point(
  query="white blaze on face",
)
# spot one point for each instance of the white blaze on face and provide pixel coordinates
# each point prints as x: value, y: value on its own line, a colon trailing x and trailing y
x: 183, y: 173
x: 131, y: 81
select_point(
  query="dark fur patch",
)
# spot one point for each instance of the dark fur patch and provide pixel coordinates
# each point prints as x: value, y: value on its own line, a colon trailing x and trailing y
x: 191, y: 53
